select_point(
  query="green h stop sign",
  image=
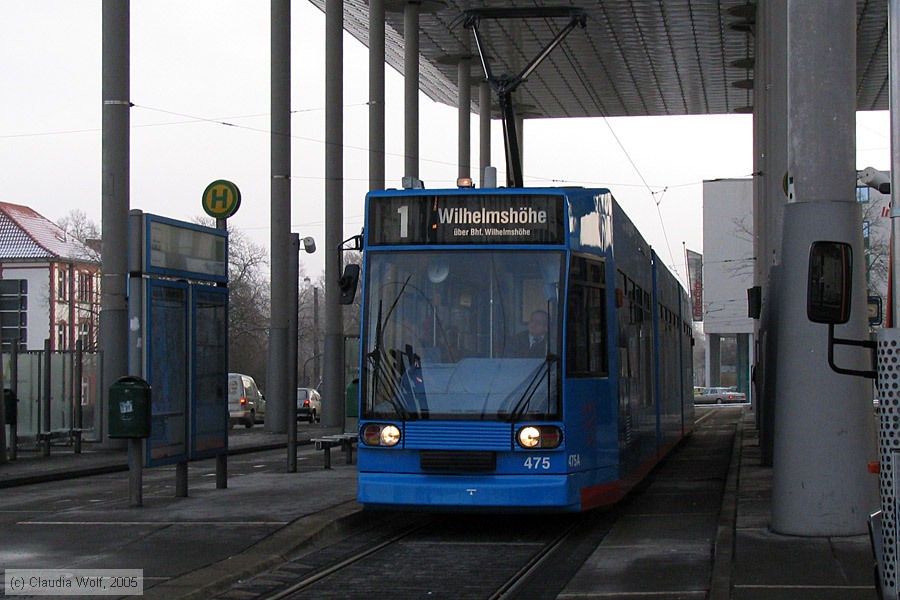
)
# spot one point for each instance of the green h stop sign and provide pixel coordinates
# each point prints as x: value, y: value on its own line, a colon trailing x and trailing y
x: 221, y: 199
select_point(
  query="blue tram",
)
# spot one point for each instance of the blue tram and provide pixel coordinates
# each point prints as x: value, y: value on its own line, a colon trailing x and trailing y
x: 521, y: 350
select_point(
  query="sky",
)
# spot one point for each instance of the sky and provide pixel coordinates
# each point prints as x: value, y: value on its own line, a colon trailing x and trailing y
x: 200, y: 90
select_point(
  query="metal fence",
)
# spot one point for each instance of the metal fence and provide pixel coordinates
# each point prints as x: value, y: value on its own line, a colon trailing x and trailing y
x: 54, y: 391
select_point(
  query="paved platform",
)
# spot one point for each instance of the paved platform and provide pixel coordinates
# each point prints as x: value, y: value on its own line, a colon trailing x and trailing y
x: 700, y: 529
x: 31, y: 466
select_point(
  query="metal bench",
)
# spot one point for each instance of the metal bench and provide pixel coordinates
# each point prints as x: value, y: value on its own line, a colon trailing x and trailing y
x: 343, y: 440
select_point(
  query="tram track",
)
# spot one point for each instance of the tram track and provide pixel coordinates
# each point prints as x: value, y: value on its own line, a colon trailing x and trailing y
x: 436, y: 556
x: 515, y: 585
x: 336, y: 567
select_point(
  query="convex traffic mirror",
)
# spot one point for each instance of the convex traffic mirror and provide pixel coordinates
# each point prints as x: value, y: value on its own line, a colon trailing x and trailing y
x: 829, y: 281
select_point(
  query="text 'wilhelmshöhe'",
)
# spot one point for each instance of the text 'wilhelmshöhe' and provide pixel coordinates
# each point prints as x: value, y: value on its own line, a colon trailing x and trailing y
x: 507, y: 216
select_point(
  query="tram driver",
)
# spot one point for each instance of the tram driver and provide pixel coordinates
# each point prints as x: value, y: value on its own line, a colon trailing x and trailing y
x: 531, y: 343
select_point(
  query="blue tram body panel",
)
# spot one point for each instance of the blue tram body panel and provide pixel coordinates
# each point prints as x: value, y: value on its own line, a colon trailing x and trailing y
x: 452, y: 280
x: 593, y: 439
x: 436, y: 492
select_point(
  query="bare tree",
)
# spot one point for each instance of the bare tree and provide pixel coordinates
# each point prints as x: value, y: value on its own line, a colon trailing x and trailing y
x: 310, y: 320
x: 742, y: 229
x: 699, y: 357
x: 877, y: 249
x: 248, y: 304
x: 77, y: 224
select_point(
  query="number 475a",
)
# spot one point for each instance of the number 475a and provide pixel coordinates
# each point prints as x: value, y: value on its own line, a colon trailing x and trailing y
x: 537, y: 463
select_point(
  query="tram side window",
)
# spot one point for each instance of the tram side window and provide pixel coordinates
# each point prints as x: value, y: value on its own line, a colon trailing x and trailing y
x: 586, y: 327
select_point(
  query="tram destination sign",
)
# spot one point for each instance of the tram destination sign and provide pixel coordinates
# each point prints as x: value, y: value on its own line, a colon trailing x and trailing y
x: 466, y: 219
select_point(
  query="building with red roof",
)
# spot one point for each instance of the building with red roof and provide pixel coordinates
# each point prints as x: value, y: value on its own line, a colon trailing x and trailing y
x: 49, y: 283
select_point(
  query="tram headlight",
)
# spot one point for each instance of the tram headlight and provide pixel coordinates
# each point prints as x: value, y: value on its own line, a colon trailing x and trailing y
x: 529, y: 437
x: 539, y: 436
x: 390, y: 435
x: 380, y: 434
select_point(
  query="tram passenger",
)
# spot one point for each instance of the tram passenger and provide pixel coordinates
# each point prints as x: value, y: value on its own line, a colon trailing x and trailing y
x: 533, y: 342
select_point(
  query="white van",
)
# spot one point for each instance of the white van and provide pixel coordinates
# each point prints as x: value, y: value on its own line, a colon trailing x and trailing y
x: 246, y: 404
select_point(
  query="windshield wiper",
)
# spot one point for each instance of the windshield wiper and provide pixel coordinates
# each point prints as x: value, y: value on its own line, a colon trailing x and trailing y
x: 543, y: 371
x: 387, y: 378
x: 377, y: 356
x: 394, y: 304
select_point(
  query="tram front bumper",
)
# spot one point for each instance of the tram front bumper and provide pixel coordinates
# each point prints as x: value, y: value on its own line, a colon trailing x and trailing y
x: 467, y: 491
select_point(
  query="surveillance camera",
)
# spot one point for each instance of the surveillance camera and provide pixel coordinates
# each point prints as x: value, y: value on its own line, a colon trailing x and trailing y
x: 309, y: 245
x: 875, y: 179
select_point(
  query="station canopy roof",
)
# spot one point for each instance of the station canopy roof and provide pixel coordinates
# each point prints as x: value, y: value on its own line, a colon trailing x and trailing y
x: 632, y: 58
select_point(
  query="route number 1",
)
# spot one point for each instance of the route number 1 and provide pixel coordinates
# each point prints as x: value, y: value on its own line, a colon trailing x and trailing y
x: 404, y: 221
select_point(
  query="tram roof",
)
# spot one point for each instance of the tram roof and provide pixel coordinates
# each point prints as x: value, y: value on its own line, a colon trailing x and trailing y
x: 633, y: 58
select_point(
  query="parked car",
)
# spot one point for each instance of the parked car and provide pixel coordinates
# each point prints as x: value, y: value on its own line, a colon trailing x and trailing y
x: 309, y: 405
x: 246, y: 404
x: 719, y: 395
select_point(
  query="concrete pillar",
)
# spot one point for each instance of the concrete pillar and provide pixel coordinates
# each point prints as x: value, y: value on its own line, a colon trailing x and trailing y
x: 742, y: 366
x: 464, y: 80
x: 713, y: 360
x: 484, y: 129
x: 115, y: 184
x: 775, y: 145
x: 771, y: 97
x: 766, y: 379
x: 277, y: 392
x: 760, y: 111
x: 411, y: 88
x: 333, y: 410
x: 824, y: 430
x: 760, y: 236
x: 376, y: 95
x: 770, y: 134
x: 894, y: 66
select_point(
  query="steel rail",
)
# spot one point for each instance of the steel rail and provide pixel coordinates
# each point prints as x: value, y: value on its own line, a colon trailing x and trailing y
x: 514, y: 584
x: 328, y: 570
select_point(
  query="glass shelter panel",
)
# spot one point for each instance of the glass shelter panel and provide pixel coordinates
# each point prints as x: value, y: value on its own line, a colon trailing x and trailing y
x: 168, y: 376
x: 209, y: 419
x: 30, y: 366
x: 462, y: 335
x: 30, y: 390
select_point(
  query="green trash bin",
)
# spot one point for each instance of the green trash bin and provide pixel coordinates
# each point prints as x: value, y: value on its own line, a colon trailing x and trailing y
x: 9, y: 406
x: 129, y: 408
x: 351, y: 401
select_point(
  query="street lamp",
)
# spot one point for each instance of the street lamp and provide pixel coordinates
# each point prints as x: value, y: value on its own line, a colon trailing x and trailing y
x: 305, y: 378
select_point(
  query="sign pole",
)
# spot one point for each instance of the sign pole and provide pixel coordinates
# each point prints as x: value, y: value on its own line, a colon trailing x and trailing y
x: 135, y: 344
x: 221, y: 199
x: 291, y: 405
x: 222, y: 459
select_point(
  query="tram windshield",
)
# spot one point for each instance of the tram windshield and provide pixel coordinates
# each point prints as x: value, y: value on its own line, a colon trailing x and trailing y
x: 462, y: 335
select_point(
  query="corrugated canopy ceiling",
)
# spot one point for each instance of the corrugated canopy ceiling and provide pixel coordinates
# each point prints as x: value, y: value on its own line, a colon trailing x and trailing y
x: 637, y: 57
